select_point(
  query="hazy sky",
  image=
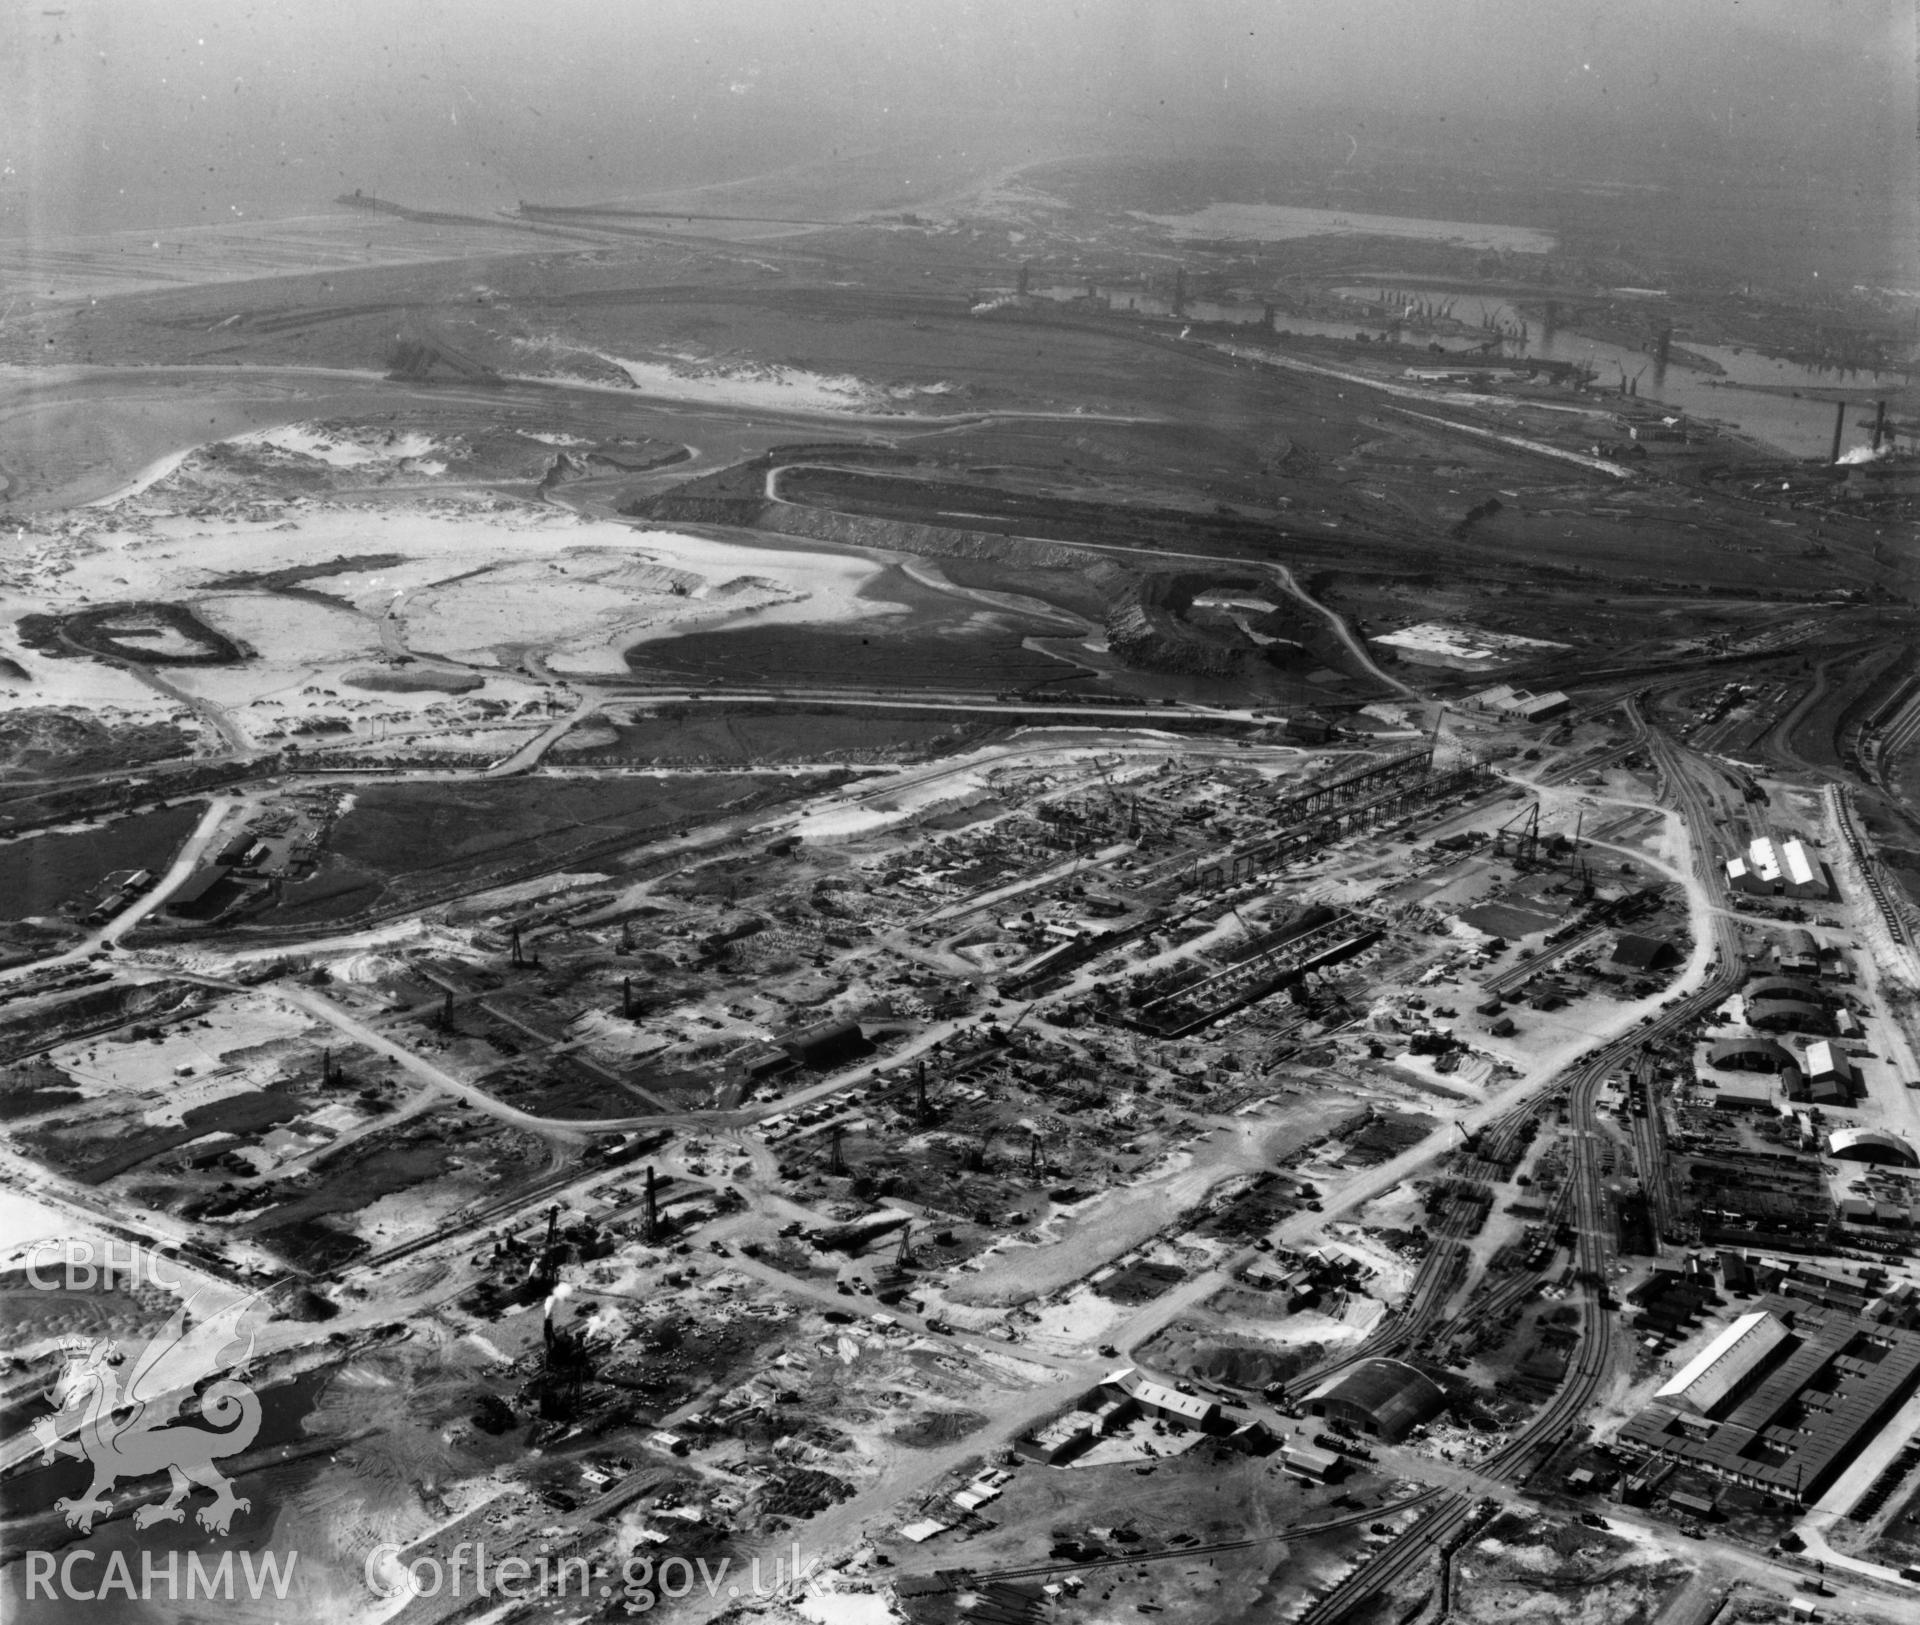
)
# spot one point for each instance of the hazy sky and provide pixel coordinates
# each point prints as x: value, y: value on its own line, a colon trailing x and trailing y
x: 183, y: 111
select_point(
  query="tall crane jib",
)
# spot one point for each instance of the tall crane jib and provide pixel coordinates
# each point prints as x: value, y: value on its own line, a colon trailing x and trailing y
x: 1524, y: 830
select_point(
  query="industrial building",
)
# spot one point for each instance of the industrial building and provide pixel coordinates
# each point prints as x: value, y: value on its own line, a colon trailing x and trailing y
x: 1713, y: 1375
x: 1638, y: 953
x: 1789, y: 1409
x: 1778, y: 868
x: 1310, y: 1462
x: 1785, y: 987
x: 205, y: 894
x: 1751, y: 1055
x: 827, y: 1044
x: 1872, y: 1145
x: 1798, y: 954
x: 1382, y: 1397
x: 1162, y: 1403
x: 1829, y: 1072
x: 1166, y: 1404
x: 1747, y: 1095
x: 1785, y: 867
x: 1308, y: 728
x: 1769, y: 1013
x: 1542, y: 707
x: 1741, y: 1072
x: 1518, y: 704
x: 1060, y: 1440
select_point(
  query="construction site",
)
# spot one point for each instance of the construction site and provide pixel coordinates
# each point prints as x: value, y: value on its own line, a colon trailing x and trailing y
x: 1072, y: 890
x: 1168, y: 1114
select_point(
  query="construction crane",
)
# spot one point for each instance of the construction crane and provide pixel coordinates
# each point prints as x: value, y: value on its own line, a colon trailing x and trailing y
x: 1526, y: 838
x: 1007, y: 1032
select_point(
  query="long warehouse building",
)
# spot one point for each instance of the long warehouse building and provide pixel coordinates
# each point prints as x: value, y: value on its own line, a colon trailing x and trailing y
x: 1790, y: 1412
x: 1706, y: 1380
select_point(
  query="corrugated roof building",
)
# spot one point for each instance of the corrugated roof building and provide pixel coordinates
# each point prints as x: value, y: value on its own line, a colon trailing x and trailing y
x: 1310, y: 1462
x: 826, y: 1043
x: 1797, y: 1425
x: 1785, y: 987
x: 1798, y: 954
x: 1800, y: 876
x: 1634, y: 952
x: 1708, y: 1381
x: 1543, y: 707
x: 1826, y: 1060
x: 1872, y: 1145
x: 1383, y: 1397
x: 1751, y: 1055
x: 1779, y: 865
x: 1745, y: 1095
x: 1494, y: 699
x: 1789, y: 1015
x: 1170, y: 1405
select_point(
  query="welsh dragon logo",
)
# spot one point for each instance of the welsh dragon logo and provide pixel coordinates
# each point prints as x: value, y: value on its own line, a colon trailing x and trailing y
x: 132, y: 1428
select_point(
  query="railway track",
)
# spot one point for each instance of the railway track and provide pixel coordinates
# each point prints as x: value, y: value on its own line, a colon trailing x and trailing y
x: 1594, y: 762
x: 1650, y: 1150
x: 1840, y: 802
x: 1437, y: 1277
x: 1555, y: 1424
x: 966, y: 1579
x: 1498, y: 986
x: 1445, y: 1518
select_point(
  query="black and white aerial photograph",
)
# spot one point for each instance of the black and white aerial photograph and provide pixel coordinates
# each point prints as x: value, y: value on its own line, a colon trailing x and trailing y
x: 1007, y: 812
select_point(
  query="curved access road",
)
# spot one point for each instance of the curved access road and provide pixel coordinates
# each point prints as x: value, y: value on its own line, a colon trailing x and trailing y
x: 1282, y: 575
